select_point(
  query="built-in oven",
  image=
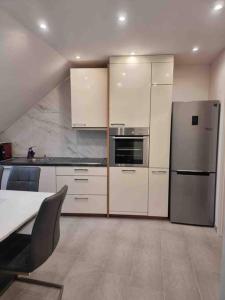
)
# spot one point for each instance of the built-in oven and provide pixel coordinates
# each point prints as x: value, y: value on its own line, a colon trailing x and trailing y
x: 129, y: 147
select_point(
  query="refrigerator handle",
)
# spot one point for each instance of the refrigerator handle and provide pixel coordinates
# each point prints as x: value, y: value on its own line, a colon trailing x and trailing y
x: 193, y: 172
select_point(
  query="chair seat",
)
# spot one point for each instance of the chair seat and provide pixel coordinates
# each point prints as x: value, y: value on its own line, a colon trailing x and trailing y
x: 14, y: 253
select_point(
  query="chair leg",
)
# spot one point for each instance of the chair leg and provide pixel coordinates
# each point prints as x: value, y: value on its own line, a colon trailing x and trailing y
x: 43, y: 283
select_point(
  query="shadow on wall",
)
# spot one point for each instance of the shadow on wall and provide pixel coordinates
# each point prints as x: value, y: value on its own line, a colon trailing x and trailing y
x: 47, y: 125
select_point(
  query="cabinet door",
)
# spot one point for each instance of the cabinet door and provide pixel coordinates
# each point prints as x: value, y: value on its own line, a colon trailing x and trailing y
x: 89, y: 97
x: 162, y: 73
x: 5, y: 177
x: 158, y: 192
x: 47, y: 181
x: 161, y: 103
x: 128, y: 191
x: 130, y: 94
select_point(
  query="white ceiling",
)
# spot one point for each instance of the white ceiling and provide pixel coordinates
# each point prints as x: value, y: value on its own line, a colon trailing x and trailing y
x: 90, y: 29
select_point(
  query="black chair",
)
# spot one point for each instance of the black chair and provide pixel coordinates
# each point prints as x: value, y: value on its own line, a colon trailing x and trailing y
x: 1, y: 173
x: 21, y: 254
x: 24, y: 179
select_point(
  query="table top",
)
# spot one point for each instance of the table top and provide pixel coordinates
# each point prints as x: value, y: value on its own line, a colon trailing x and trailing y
x: 17, y: 208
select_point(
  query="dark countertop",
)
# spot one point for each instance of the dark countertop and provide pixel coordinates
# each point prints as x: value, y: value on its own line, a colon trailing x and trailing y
x: 55, y: 161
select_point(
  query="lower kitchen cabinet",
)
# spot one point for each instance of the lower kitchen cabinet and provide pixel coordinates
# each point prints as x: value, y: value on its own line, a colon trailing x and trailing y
x: 128, y: 190
x: 158, y: 192
x: 87, y: 189
x: 89, y: 204
x: 47, y: 181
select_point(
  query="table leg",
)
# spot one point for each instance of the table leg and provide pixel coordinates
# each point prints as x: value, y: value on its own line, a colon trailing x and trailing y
x: 5, y: 282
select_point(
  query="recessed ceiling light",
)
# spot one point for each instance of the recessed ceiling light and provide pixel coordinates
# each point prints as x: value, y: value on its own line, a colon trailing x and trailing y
x: 78, y: 57
x: 132, y: 53
x: 119, y: 84
x: 195, y: 49
x: 43, y: 26
x: 122, y: 18
x: 218, y: 5
x: 124, y: 73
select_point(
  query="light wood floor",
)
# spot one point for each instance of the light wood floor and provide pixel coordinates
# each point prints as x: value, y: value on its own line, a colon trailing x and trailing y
x: 129, y: 259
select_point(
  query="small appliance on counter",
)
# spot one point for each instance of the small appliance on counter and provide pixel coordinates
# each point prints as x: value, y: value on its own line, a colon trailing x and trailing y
x: 5, y: 151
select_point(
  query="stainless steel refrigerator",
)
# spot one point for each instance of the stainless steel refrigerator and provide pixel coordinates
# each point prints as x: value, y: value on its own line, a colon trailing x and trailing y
x: 194, y: 144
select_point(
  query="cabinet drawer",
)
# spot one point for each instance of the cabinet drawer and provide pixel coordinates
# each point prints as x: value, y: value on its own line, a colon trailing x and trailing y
x: 72, y: 171
x: 95, y: 185
x: 158, y: 192
x: 89, y: 204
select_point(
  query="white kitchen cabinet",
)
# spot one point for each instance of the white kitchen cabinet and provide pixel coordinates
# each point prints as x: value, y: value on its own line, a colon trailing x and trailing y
x: 161, y: 103
x: 5, y: 177
x: 87, y: 189
x: 89, y: 97
x: 94, y: 185
x: 158, y: 192
x: 130, y: 85
x: 162, y: 73
x: 47, y: 182
x: 128, y: 190
x: 89, y: 204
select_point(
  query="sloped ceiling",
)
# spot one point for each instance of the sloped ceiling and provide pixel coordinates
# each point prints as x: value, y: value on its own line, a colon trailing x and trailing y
x: 90, y: 28
x: 29, y: 69
x: 32, y: 62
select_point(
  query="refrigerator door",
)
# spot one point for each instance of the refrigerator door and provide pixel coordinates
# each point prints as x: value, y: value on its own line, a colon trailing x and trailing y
x: 192, y: 198
x: 194, y: 135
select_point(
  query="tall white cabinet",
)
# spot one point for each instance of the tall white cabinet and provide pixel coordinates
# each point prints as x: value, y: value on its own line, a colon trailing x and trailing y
x: 130, y: 85
x: 160, y: 126
x: 141, y: 96
x: 89, y: 97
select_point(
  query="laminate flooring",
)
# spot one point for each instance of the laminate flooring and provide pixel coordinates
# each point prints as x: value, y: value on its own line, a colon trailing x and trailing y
x: 128, y: 259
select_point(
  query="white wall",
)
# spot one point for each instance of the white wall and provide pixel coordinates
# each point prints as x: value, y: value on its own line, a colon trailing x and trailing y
x: 217, y: 91
x: 47, y: 125
x: 29, y: 69
x: 191, y: 82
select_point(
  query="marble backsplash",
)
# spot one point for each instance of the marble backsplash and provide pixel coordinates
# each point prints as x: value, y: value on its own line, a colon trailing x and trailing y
x: 47, y: 126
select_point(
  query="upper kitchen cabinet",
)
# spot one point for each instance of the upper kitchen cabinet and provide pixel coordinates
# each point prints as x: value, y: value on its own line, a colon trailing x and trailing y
x: 162, y: 73
x: 130, y: 85
x: 89, y: 93
x: 161, y: 102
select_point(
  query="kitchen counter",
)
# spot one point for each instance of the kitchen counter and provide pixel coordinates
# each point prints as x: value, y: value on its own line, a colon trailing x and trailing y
x: 55, y: 161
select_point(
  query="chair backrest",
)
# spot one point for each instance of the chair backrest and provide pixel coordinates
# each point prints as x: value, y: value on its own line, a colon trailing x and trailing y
x: 1, y: 173
x: 24, y: 179
x: 46, y: 229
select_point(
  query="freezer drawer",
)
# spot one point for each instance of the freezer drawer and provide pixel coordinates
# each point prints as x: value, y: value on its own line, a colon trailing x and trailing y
x: 192, y: 198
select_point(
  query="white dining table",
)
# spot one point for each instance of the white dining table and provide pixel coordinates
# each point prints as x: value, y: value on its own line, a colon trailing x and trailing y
x: 17, y: 208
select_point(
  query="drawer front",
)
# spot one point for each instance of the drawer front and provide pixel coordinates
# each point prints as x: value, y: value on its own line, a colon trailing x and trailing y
x: 91, y: 185
x: 89, y: 204
x: 73, y: 171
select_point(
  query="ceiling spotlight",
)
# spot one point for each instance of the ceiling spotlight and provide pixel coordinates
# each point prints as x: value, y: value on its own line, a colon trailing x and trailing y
x: 218, y: 5
x: 124, y: 73
x: 195, y: 49
x: 43, y: 26
x: 122, y: 18
x: 78, y: 57
x: 132, y: 53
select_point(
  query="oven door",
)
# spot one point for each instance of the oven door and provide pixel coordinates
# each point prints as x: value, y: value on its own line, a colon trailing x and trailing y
x: 129, y: 151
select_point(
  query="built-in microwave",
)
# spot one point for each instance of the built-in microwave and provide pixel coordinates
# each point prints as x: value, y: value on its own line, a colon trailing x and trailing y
x: 129, y: 147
